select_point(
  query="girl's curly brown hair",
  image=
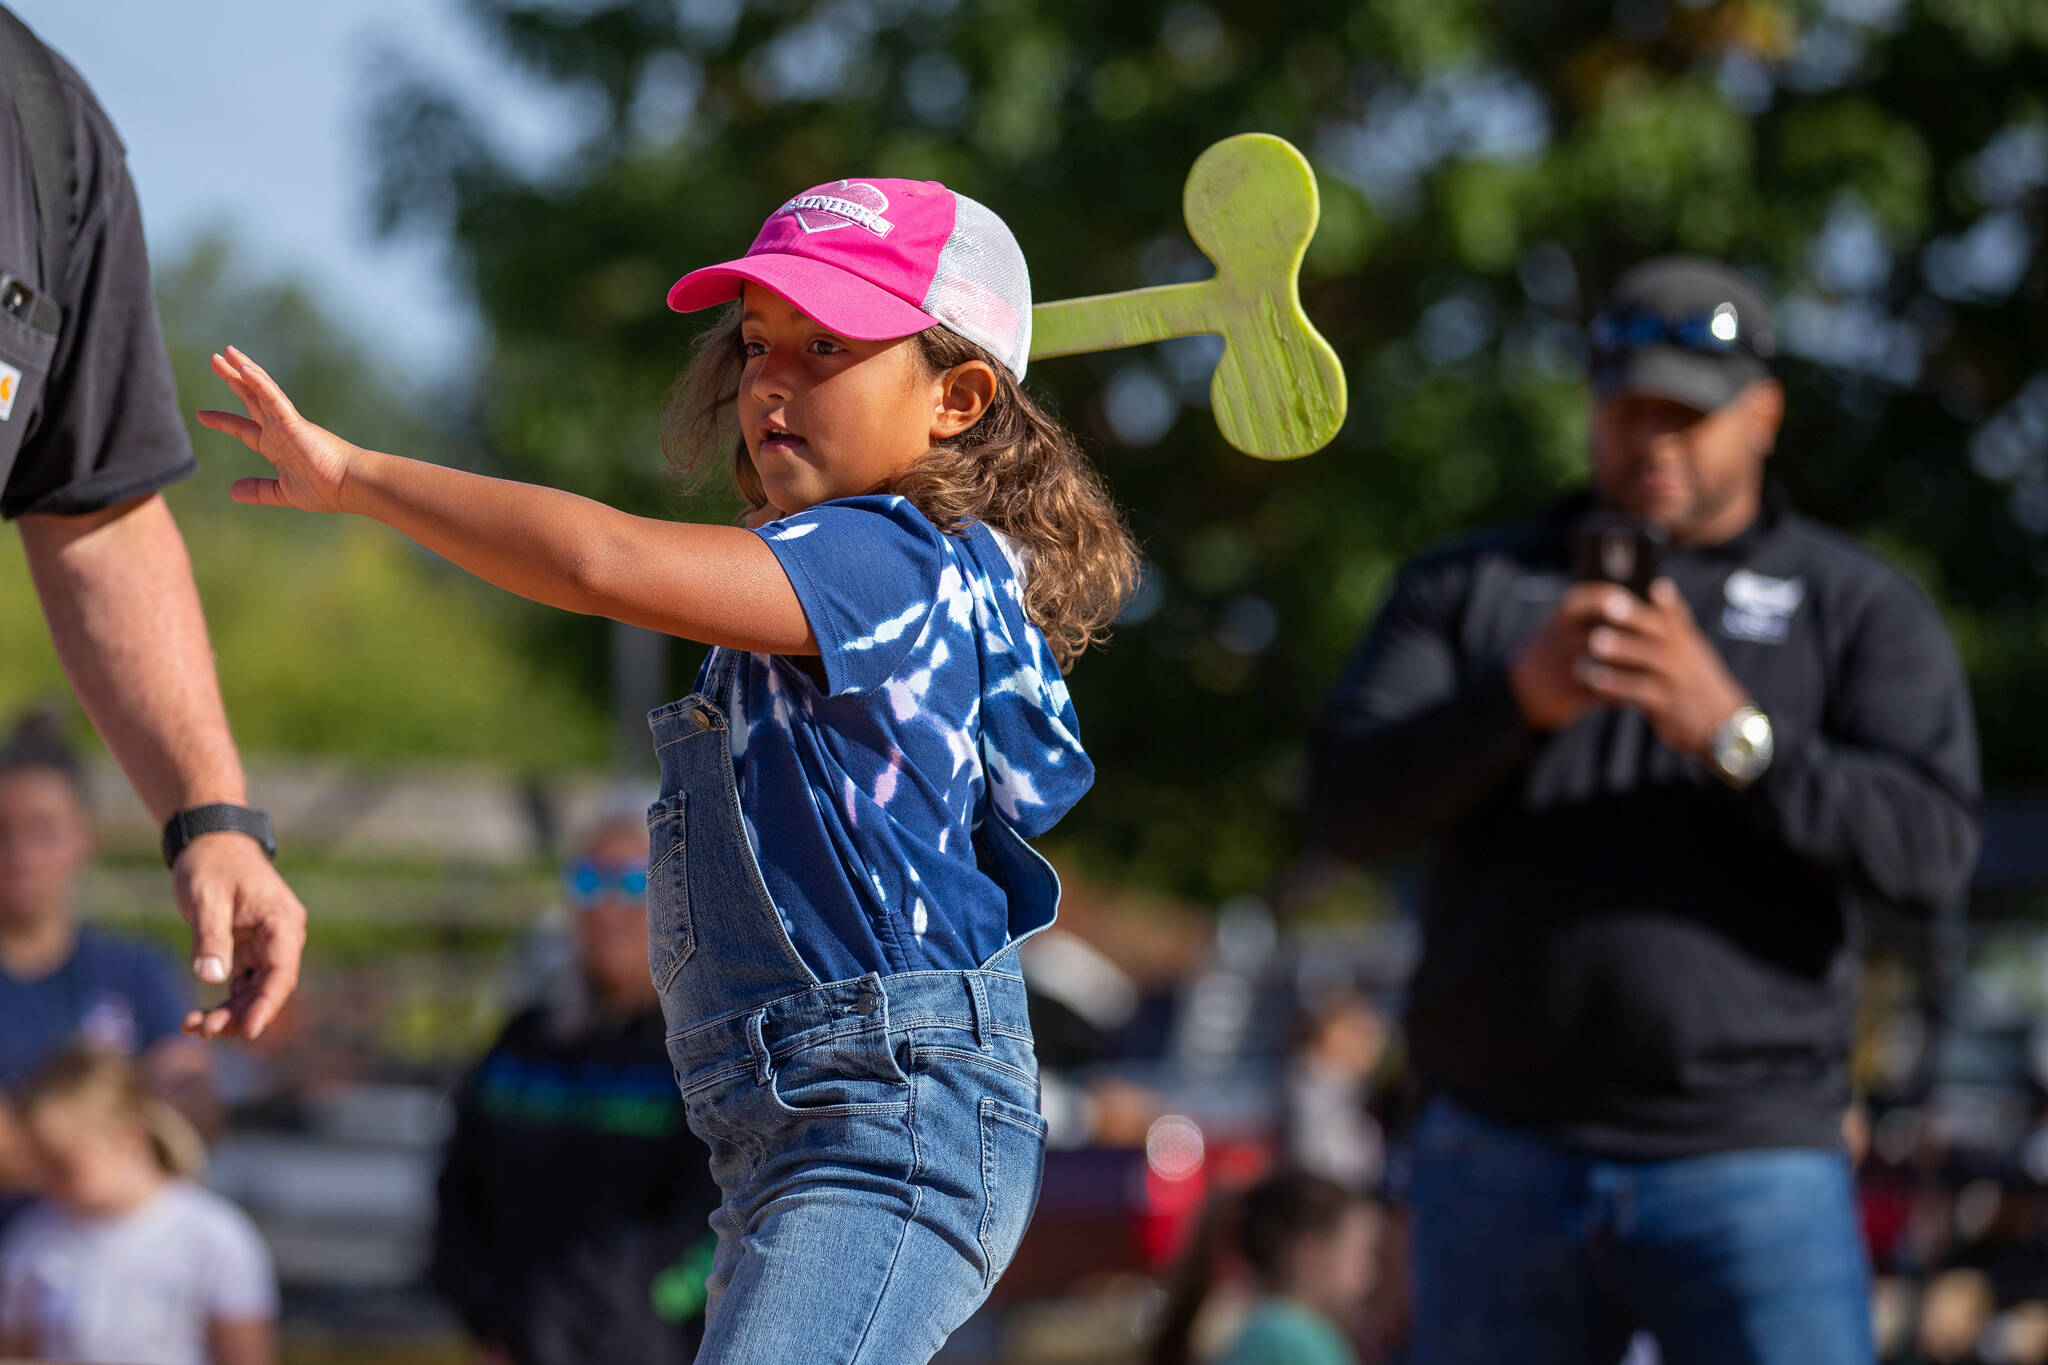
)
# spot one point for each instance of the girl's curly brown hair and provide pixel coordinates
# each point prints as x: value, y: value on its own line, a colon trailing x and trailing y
x: 1016, y: 470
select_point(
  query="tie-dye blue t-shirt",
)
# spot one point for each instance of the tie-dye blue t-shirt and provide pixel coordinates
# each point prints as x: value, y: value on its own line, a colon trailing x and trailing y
x: 940, y: 704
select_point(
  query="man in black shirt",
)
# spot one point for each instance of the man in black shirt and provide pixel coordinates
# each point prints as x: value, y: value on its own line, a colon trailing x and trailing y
x: 1655, y: 819
x: 89, y: 433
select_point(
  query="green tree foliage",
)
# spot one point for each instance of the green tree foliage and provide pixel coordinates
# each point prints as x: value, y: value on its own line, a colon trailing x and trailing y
x: 1487, y: 166
x: 332, y: 636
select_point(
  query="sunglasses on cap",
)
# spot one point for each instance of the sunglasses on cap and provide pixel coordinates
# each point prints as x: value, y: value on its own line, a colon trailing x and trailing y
x: 1716, y: 332
x: 590, y: 882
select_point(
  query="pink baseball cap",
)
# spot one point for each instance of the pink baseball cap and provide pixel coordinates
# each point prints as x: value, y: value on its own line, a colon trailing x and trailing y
x: 880, y: 259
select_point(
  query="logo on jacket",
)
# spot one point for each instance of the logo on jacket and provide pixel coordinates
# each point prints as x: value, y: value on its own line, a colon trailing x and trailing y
x: 10, y: 382
x: 1760, y: 608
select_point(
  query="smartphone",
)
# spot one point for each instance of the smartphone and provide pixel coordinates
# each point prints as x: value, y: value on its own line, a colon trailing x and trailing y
x: 1610, y: 548
x: 21, y: 301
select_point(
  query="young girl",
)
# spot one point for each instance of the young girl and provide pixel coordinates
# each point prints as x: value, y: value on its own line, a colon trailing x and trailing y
x: 839, y: 877
x: 127, y: 1261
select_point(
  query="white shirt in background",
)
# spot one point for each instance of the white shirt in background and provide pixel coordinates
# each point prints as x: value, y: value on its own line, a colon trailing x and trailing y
x: 138, y: 1288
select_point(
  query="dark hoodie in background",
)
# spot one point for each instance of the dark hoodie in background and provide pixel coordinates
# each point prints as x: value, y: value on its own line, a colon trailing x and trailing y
x: 1620, y: 951
x: 573, y: 1201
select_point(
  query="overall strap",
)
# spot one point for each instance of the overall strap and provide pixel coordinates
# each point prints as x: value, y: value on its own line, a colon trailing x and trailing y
x: 725, y: 662
x: 37, y: 92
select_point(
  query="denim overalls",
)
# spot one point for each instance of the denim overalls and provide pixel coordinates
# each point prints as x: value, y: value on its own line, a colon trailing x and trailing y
x: 878, y: 1140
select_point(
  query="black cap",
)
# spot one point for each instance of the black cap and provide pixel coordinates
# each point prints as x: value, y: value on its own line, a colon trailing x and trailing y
x: 1715, y: 340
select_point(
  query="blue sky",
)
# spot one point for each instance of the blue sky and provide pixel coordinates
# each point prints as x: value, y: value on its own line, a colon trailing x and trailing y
x: 251, y: 115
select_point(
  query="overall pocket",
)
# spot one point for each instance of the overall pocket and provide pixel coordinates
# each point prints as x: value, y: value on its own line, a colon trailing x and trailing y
x: 852, y: 1074
x: 1012, y: 1170
x: 669, y: 938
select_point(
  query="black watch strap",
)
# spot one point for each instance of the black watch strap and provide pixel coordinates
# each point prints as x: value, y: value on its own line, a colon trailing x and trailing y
x: 181, y: 829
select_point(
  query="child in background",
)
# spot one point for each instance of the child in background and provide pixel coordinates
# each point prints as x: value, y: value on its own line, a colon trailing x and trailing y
x: 839, y: 875
x: 1313, y: 1249
x: 1312, y: 1244
x: 62, y: 981
x: 1328, y: 1129
x: 127, y: 1261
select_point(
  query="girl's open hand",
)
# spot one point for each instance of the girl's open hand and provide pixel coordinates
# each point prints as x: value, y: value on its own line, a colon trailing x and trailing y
x: 312, y: 463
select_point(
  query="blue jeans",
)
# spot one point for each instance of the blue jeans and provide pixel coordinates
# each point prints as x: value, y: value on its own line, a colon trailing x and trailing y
x: 1529, y: 1252
x: 877, y: 1141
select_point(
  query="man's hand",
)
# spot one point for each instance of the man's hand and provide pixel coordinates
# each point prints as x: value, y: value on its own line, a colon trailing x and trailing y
x: 1653, y: 656
x: 247, y: 931
x: 1545, y: 674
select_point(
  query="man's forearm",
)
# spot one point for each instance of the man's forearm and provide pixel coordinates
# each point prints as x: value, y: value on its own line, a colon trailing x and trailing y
x: 1885, y: 803
x: 117, y: 589
x: 1869, y: 822
x: 1378, y: 788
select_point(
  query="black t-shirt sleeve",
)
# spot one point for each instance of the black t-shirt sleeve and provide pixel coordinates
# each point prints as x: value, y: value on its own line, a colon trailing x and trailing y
x: 107, y: 427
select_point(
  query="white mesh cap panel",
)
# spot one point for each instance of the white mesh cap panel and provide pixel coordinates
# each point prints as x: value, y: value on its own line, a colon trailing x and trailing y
x: 982, y: 288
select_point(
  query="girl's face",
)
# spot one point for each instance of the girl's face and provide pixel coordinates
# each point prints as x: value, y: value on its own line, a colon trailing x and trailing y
x: 92, y: 1163
x: 45, y: 840
x: 826, y: 416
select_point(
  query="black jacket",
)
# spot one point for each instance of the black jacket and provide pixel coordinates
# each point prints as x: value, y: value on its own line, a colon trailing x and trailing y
x: 573, y: 1199
x: 1617, y: 948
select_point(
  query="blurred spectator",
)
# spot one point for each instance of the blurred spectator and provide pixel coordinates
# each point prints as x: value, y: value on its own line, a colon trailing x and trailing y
x: 574, y: 1203
x: 1082, y: 1008
x: 59, y: 980
x: 1955, y: 1308
x: 126, y: 1260
x: 1659, y: 809
x: 1328, y: 1130
x: 2023, y: 1334
x: 1312, y: 1246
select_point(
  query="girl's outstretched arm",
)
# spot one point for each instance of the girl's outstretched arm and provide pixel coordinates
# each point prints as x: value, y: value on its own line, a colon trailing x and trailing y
x: 720, y: 585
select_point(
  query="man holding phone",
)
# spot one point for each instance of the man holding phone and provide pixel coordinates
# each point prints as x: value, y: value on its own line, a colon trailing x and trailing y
x: 1668, y: 739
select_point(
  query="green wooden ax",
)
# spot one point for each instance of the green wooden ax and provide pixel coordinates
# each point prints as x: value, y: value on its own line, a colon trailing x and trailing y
x: 1251, y: 206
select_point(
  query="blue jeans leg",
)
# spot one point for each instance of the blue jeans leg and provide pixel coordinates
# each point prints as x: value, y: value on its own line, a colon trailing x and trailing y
x: 1747, y: 1258
x: 1530, y: 1252
x: 1503, y: 1266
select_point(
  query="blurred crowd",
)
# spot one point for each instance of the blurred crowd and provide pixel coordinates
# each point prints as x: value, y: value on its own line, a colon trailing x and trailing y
x: 1234, y: 1114
x: 571, y: 1201
x: 572, y: 1204
x: 112, y: 1249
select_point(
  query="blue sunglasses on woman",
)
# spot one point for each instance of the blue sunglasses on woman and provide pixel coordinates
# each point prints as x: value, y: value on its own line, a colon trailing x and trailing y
x: 590, y: 881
